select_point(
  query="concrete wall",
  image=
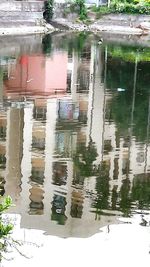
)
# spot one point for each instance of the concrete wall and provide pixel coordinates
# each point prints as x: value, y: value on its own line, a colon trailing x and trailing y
x: 32, y: 6
x: 20, y: 12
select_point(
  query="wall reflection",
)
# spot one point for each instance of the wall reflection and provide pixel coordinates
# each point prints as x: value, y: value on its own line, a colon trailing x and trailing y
x: 71, y: 155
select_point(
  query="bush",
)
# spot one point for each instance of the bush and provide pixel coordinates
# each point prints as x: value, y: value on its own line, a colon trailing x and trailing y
x: 131, y: 7
x: 101, y: 9
x: 82, y: 10
x: 48, y: 10
x: 5, y: 227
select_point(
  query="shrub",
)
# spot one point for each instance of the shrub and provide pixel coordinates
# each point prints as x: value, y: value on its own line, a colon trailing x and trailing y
x: 131, y: 7
x: 81, y: 9
x: 5, y: 227
x: 48, y: 10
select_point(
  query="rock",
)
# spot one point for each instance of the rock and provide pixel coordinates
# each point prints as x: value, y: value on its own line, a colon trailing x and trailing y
x: 144, y: 25
x: 49, y: 27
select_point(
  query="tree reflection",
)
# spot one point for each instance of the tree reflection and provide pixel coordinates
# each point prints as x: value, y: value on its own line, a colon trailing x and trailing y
x: 141, y: 191
x: 84, y: 159
x: 125, y: 199
x: 120, y: 74
x: 101, y: 201
x: 47, y: 44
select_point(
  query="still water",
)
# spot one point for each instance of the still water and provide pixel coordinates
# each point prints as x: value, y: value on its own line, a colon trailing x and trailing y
x: 75, y: 132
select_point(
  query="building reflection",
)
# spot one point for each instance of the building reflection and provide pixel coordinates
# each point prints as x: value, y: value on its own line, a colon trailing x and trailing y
x: 37, y: 74
x: 63, y: 161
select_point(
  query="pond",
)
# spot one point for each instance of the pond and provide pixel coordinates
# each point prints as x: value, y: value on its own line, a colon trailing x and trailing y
x: 75, y: 132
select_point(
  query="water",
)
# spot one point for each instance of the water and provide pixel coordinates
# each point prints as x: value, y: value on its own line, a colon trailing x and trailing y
x: 74, y: 133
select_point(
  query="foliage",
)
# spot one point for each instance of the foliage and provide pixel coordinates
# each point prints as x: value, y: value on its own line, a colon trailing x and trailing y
x: 48, y: 10
x: 82, y: 10
x: 100, y: 10
x: 5, y: 227
x: 101, y: 201
x: 120, y: 74
x: 141, y: 191
x: 47, y: 44
x: 130, y: 6
x: 130, y: 54
x: 78, y: 7
x: 125, y: 198
x: 84, y: 159
x: 124, y: 6
x: 72, y: 43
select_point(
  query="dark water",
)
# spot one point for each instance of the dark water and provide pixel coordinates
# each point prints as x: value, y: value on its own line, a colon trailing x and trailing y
x: 74, y: 132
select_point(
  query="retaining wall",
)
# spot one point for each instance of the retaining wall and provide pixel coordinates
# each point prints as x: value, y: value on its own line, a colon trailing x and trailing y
x: 20, y: 11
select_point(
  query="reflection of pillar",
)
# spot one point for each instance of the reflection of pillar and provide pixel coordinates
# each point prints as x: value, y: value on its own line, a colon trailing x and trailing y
x: 130, y: 148
x: 26, y: 160
x: 49, y: 150
x: 96, y: 101
x: 1, y: 84
x: 14, y: 152
x: 98, y: 106
x: 147, y: 137
x: 91, y: 92
x: 74, y: 76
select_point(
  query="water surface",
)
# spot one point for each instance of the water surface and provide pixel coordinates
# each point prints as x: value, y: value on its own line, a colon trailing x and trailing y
x: 74, y: 132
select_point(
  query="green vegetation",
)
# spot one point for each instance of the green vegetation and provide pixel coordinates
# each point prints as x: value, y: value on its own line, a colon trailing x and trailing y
x: 101, y: 202
x: 48, y: 10
x: 5, y: 227
x: 120, y: 74
x: 72, y: 43
x: 82, y: 10
x: 130, y: 6
x: 84, y: 159
x: 124, y: 6
x: 141, y: 191
x: 47, y: 44
x: 78, y: 7
x: 130, y: 54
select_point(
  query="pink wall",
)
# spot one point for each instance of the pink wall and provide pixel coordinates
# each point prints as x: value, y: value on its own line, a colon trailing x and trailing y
x: 56, y: 72
x: 38, y: 74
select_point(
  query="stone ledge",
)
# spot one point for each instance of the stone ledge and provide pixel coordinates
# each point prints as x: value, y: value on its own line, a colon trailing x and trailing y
x: 33, y: 6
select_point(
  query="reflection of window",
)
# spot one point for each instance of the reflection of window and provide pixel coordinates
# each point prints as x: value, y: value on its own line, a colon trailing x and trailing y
x: 126, y: 142
x: 2, y: 189
x: 59, y: 173
x: 125, y: 166
x: 83, y: 80
x: 36, y: 196
x: 2, y: 162
x: 68, y: 110
x: 76, y: 210
x: 36, y: 208
x: 76, y: 205
x: 37, y: 175
x: 38, y: 143
x: 2, y: 132
x: 69, y: 82
x: 58, y: 209
x: 107, y: 146
x: 39, y: 113
x: 116, y: 169
x: 65, y: 143
x: 140, y: 157
x: 83, y: 116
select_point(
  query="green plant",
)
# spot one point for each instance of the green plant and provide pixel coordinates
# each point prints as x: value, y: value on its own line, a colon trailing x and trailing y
x: 48, y: 10
x: 47, y: 44
x: 5, y: 227
x: 130, y: 6
x: 81, y: 9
